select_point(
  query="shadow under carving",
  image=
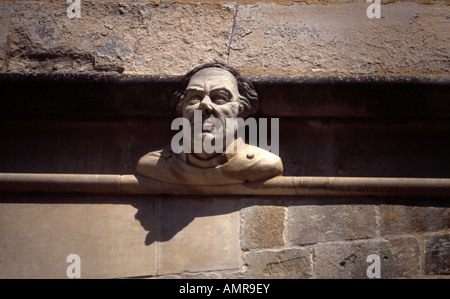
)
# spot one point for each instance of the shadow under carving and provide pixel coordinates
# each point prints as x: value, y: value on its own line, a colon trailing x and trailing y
x: 166, y: 216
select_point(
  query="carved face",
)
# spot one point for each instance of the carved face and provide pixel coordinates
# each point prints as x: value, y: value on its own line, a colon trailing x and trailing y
x: 213, y: 91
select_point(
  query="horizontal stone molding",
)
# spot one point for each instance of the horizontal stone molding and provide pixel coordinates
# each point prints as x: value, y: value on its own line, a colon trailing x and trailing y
x: 341, y: 96
x: 278, y: 186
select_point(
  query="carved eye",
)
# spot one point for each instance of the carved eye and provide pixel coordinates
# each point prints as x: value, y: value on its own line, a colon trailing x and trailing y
x: 193, y: 100
x: 219, y: 100
x: 220, y: 97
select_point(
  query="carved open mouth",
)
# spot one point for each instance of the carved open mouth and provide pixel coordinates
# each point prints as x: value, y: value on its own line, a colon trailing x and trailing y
x: 209, y: 121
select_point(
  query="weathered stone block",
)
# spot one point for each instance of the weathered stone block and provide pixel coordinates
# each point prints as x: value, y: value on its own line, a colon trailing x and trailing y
x: 399, y: 219
x: 5, y: 16
x: 399, y: 257
x: 118, y: 37
x: 288, y: 263
x: 36, y: 238
x: 262, y: 226
x: 207, y: 275
x: 198, y: 235
x: 277, y: 39
x: 314, y: 222
x: 437, y: 254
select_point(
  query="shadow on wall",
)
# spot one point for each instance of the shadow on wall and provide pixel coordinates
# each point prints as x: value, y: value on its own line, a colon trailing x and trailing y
x: 204, y: 219
x: 165, y: 217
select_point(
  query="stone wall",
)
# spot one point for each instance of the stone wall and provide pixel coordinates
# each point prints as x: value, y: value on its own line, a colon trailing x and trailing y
x: 159, y: 37
x: 224, y: 236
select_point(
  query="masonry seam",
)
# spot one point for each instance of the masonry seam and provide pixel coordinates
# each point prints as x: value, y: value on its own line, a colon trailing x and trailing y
x: 232, y: 33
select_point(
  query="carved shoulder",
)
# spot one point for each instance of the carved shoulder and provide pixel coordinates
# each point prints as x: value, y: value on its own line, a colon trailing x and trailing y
x: 153, y: 161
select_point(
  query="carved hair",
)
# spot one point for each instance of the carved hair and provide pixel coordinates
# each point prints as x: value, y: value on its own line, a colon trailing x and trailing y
x: 248, y: 96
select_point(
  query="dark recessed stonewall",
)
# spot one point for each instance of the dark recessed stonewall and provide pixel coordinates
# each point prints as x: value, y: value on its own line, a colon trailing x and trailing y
x: 111, y: 94
x: 437, y: 254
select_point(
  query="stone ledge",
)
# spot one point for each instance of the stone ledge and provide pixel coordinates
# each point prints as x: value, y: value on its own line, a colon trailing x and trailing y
x: 66, y: 94
x: 278, y: 186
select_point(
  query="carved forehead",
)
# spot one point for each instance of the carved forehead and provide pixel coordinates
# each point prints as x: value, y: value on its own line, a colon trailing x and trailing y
x: 213, y: 76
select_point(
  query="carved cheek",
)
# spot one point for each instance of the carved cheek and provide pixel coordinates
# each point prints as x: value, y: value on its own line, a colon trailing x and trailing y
x: 220, y: 112
x: 188, y: 111
x: 232, y: 110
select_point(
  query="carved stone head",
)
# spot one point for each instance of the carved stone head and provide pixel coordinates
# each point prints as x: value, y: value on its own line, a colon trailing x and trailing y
x: 242, y: 92
x: 220, y: 93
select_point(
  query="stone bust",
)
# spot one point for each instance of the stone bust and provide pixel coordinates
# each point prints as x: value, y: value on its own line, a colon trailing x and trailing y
x: 219, y: 93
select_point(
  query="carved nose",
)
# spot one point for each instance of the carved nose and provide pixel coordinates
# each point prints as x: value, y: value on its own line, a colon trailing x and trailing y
x: 206, y: 104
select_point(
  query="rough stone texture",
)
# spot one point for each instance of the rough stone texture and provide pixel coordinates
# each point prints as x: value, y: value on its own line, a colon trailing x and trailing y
x: 192, y: 276
x: 286, y: 2
x: 280, y: 2
x: 36, y: 238
x: 5, y: 16
x: 277, y: 39
x: 262, y: 225
x: 289, y: 263
x: 424, y: 217
x: 437, y: 254
x: 118, y: 37
x: 261, y: 38
x: 399, y: 257
x: 315, y: 222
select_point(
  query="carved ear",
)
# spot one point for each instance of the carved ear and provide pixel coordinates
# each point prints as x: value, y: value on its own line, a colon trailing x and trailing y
x: 248, y: 98
x: 179, y: 107
x: 175, y: 102
x: 244, y: 107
